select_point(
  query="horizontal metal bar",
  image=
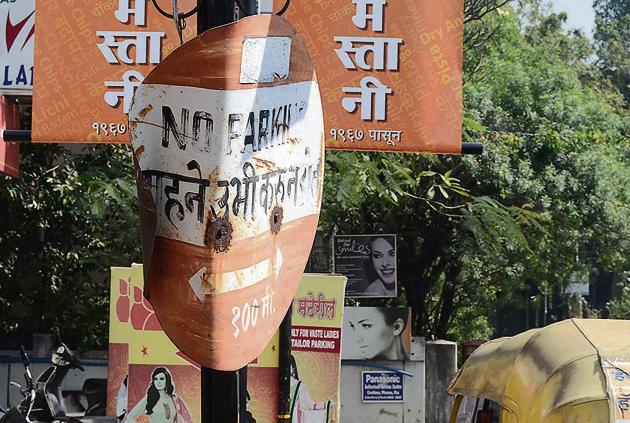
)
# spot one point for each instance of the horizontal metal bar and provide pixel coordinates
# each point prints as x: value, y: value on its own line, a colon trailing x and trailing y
x: 472, y: 148
x: 23, y: 136
x: 15, y: 135
x: 365, y: 363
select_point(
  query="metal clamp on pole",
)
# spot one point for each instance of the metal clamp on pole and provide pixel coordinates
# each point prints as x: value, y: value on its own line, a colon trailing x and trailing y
x: 265, y: 7
x: 15, y: 135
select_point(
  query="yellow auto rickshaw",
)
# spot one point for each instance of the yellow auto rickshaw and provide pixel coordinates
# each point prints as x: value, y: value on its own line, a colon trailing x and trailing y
x: 574, y: 371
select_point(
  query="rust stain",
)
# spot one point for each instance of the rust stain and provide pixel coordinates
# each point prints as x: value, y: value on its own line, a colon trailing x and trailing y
x: 213, y: 176
x: 268, y: 164
x: 139, y: 152
x: 275, y: 219
x: 218, y: 234
x: 143, y: 113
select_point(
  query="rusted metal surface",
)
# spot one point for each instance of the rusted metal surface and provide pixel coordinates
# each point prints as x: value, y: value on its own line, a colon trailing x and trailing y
x: 229, y: 141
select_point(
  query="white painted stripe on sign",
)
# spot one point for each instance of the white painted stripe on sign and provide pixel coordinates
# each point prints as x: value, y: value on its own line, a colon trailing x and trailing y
x: 265, y: 59
x: 238, y: 154
x: 203, y: 284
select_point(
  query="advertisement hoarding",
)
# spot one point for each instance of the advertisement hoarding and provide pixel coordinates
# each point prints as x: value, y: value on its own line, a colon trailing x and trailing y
x: 376, y: 333
x: 140, y: 352
x: 139, y: 348
x: 369, y: 263
x: 317, y: 320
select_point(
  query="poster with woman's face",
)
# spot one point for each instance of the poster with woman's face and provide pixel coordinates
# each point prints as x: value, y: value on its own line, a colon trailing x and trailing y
x: 376, y: 333
x: 369, y: 263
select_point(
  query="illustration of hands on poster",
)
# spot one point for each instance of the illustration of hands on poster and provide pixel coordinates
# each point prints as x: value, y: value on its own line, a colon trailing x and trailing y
x: 162, y: 385
x: 119, y: 335
x: 315, y: 361
x: 377, y: 333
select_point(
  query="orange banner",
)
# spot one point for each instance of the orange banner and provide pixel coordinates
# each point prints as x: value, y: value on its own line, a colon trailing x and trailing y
x: 390, y: 72
x: 89, y: 57
x: 9, y: 152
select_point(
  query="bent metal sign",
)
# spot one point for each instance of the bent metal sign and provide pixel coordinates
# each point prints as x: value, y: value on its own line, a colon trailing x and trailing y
x: 228, y: 140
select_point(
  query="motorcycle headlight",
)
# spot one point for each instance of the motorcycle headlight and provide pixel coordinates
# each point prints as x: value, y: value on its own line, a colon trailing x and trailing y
x: 58, y: 360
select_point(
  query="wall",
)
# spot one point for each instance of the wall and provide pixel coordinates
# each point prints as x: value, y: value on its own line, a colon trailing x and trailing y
x: 413, y: 408
x: 441, y: 365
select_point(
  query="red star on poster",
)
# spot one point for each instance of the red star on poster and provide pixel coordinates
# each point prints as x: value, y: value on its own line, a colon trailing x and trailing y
x: 145, y: 351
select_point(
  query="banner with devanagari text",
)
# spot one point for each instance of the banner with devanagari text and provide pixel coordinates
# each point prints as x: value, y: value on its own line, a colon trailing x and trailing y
x: 390, y: 71
x: 89, y: 58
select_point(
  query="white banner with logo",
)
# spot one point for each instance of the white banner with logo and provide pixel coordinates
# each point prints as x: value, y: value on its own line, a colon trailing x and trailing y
x: 17, y: 46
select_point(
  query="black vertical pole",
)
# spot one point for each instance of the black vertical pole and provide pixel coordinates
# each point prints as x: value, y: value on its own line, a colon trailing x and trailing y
x: 223, y: 394
x: 213, y: 13
x: 284, y: 369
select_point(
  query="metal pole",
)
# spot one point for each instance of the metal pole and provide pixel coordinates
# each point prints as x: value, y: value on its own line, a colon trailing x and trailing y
x: 284, y: 369
x: 223, y: 394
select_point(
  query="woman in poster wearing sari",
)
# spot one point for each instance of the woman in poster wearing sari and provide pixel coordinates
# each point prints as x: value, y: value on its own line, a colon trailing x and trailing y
x: 303, y: 408
x: 160, y: 403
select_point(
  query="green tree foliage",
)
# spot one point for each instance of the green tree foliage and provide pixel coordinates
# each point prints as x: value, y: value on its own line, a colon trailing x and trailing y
x: 619, y: 308
x: 480, y: 237
x: 65, y: 221
x: 612, y: 36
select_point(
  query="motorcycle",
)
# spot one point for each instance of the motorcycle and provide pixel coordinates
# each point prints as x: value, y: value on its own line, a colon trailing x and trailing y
x: 43, y: 400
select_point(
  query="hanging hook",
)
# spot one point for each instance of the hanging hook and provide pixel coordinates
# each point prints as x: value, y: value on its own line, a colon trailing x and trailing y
x: 284, y: 8
x: 182, y: 15
x: 178, y: 25
x: 178, y: 18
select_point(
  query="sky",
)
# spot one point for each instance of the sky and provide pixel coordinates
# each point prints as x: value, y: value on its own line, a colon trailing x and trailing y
x: 580, y: 13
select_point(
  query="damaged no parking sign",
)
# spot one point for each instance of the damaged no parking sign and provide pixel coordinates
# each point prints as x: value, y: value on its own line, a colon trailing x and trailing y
x: 228, y: 139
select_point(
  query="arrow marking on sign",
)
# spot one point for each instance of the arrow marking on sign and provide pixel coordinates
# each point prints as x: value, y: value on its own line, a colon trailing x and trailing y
x: 196, y: 283
x: 204, y: 284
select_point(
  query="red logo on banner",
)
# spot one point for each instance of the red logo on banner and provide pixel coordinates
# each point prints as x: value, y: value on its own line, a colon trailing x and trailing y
x: 316, y: 307
x: 12, y: 31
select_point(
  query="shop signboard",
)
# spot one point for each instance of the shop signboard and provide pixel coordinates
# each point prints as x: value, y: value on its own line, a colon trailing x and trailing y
x: 90, y: 56
x: 382, y: 386
x: 369, y: 263
x: 17, y: 26
x: 390, y: 71
x: 228, y: 139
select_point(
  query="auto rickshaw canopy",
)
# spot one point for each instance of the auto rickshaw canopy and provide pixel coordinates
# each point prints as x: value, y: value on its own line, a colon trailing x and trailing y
x: 552, y: 374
